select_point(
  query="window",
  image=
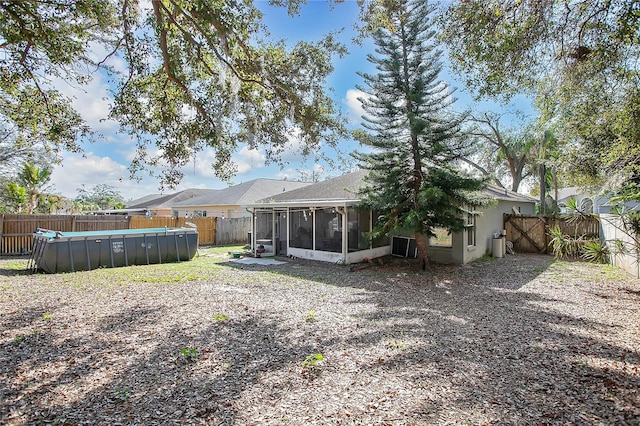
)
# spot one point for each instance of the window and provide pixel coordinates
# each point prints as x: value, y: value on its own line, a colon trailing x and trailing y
x: 442, y: 238
x: 470, y: 228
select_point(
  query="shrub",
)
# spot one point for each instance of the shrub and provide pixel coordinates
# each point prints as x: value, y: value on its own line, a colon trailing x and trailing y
x: 595, y: 251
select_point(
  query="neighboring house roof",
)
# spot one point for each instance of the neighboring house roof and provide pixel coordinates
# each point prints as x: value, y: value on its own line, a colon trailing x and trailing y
x: 157, y: 202
x: 144, y: 200
x: 243, y: 194
x: 577, y: 193
x: 345, y: 188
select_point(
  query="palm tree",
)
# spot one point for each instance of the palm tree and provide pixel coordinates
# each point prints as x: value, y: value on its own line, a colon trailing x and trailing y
x: 17, y: 195
x: 34, y: 179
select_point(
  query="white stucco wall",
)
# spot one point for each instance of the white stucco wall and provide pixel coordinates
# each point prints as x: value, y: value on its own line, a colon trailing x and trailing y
x: 489, y: 222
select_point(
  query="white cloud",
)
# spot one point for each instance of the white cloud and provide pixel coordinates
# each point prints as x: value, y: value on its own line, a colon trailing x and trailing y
x: 354, y: 106
x: 91, y: 101
x: 249, y: 159
x: 87, y: 169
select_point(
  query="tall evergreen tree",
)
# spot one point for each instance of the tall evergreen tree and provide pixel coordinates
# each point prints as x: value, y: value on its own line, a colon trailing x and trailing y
x: 415, y: 141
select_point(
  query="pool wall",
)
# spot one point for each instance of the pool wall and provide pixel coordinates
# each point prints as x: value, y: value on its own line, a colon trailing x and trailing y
x: 55, y: 251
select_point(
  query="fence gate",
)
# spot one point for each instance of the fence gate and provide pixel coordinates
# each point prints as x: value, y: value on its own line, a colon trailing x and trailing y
x: 528, y: 233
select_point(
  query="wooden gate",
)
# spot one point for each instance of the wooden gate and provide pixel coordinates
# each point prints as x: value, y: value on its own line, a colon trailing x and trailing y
x: 527, y: 233
x: 530, y: 234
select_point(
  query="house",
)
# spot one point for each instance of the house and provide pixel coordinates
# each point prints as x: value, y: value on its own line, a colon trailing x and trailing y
x: 232, y: 202
x: 322, y: 222
x: 160, y: 204
x: 588, y: 201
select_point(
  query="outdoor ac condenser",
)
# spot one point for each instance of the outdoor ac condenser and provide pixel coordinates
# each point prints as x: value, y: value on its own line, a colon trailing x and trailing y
x: 404, y: 247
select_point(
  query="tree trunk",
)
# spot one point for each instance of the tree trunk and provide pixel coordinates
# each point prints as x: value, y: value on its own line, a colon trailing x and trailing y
x: 423, y: 256
x: 543, y: 190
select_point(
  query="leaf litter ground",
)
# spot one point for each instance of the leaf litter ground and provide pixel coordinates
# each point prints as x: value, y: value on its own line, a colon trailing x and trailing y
x: 521, y: 340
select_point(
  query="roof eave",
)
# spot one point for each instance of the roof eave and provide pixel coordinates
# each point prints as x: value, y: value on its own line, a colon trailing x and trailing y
x: 344, y: 202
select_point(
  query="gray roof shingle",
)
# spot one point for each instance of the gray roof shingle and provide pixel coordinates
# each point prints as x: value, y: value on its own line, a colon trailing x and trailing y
x: 243, y: 194
x: 346, y: 187
x: 343, y: 187
x: 159, y: 201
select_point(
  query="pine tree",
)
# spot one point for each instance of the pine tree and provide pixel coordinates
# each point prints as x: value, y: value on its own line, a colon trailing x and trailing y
x: 414, y: 140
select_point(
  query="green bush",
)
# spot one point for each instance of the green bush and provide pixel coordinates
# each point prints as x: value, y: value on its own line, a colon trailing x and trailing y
x: 595, y: 251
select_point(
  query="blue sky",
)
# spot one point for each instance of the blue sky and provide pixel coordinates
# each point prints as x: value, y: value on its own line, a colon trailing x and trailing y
x: 106, y: 161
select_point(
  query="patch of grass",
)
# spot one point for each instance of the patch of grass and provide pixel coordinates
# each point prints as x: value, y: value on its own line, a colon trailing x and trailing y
x: 397, y: 344
x: 16, y: 265
x: 614, y: 273
x: 311, y: 316
x: 121, y: 395
x: 484, y: 260
x: 221, y: 252
x: 168, y: 278
x: 220, y: 318
x: 47, y: 316
x: 189, y: 354
x: 311, y: 365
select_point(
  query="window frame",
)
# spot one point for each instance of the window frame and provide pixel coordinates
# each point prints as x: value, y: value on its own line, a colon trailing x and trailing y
x: 470, y: 228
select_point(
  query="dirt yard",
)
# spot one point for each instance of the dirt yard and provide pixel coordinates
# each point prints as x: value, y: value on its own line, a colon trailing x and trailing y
x: 524, y: 340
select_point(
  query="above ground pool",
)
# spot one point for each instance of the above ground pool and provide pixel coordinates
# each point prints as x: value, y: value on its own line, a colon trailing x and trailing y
x: 55, y: 251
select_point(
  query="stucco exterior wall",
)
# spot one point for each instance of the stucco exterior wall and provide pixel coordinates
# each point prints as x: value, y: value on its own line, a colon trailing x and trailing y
x: 491, y: 221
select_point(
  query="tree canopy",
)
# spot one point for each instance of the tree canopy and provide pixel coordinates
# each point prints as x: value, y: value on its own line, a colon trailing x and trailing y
x: 28, y: 191
x: 413, y: 136
x: 577, y: 58
x: 97, y: 197
x: 195, y: 74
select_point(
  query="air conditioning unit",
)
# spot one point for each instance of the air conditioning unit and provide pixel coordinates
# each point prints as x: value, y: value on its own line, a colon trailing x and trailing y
x: 404, y: 247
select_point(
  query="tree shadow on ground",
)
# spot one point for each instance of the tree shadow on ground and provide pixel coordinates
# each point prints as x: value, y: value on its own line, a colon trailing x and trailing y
x: 503, y: 350
x: 166, y: 373
x: 480, y: 341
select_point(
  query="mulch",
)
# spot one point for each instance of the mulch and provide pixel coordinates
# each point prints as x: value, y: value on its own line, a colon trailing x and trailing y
x: 519, y: 340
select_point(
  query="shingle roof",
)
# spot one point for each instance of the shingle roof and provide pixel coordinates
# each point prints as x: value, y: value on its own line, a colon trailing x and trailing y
x: 143, y: 200
x: 160, y: 201
x: 505, y: 194
x: 346, y: 187
x: 343, y: 187
x: 243, y: 194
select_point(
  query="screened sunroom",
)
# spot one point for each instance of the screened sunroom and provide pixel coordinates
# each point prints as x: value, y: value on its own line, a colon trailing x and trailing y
x: 332, y: 231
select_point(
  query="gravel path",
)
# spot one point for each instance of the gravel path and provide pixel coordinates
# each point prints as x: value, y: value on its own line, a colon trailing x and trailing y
x: 520, y: 340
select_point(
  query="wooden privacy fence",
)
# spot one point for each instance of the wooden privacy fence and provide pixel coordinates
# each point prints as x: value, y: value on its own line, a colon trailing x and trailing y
x: 206, y: 225
x: 233, y: 230
x: 530, y: 234
x: 16, y: 231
